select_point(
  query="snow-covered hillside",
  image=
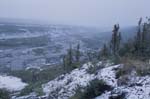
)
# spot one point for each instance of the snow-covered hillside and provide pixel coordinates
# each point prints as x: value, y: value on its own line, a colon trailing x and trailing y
x: 65, y: 86
x: 138, y: 88
x: 11, y: 83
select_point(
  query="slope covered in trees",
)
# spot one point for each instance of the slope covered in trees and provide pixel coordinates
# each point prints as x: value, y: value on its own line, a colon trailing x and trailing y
x: 138, y: 47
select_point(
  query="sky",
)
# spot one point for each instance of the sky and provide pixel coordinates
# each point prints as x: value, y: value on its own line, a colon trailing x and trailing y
x: 95, y: 13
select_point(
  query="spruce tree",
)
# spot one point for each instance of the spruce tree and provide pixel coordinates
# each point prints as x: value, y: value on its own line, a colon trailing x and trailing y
x: 138, y: 39
x: 144, y: 41
x: 104, y: 51
x: 70, y: 56
x: 115, y: 40
x: 64, y: 62
x: 119, y: 41
x: 78, y: 52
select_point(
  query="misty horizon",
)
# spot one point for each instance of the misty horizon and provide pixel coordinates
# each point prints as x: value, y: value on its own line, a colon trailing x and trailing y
x: 81, y: 13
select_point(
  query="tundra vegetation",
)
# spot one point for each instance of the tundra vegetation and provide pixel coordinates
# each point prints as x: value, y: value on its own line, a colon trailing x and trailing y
x: 133, y: 53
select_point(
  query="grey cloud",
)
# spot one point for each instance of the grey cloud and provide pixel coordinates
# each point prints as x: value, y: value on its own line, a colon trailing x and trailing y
x: 77, y: 12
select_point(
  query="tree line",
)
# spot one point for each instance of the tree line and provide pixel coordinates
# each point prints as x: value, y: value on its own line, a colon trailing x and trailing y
x: 138, y: 46
x: 72, y: 59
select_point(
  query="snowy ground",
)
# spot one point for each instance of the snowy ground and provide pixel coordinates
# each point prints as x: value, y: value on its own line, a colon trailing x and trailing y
x: 65, y: 86
x: 11, y: 83
x: 137, y: 89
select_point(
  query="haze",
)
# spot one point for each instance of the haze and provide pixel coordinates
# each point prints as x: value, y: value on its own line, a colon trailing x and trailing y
x: 98, y: 13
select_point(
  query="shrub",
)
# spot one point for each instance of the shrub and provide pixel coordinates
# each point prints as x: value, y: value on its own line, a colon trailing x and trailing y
x: 4, y: 94
x: 28, y: 89
x: 123, y: 80
x: 115, y: 59
x: 78, y: 95
x: 93, y: 69
x: 95, y: 88
x: 36, y: 87
x: 130, y: 66
x: 142, y: 68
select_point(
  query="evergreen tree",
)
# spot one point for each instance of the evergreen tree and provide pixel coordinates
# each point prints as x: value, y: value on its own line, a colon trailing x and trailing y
x: 104, y: 53
x: 72, y: 58
x: 64, y: 62
x: 70, y: 55
x: 78, y: 52
x: 140, y: 45
x: 144, y: 41
x: 140, y: 22
x: 139, y: 38
x: 115, y: 40
x: 119, y: 40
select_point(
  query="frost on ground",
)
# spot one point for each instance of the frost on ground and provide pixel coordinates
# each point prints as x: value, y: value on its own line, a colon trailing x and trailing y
x: 65, y: 86
x: 11, y: 83
x: 137, y: 88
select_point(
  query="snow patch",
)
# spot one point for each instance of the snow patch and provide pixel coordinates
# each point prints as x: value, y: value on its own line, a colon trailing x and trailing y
x: 11, y: 83
x: 109, y: 75
x: 34, y: 67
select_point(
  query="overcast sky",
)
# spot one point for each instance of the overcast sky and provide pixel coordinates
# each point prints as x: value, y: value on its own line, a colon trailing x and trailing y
x: 77, y: 12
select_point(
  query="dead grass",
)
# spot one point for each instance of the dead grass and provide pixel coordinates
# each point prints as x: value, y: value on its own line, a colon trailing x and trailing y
x: 130, y: 65
x: 141, y: 67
